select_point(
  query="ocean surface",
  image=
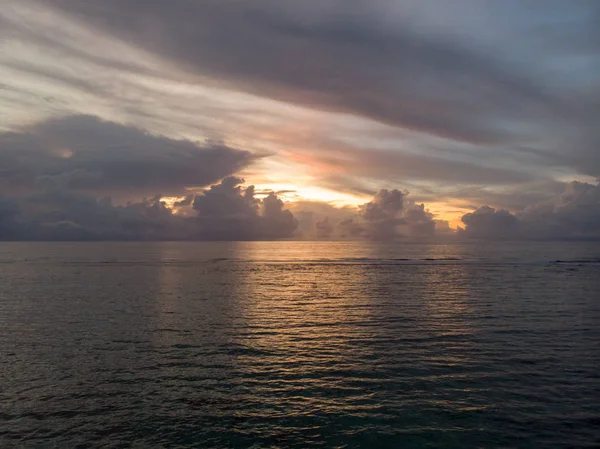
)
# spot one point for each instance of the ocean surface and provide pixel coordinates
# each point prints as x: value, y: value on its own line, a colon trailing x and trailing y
x: 299, y: 344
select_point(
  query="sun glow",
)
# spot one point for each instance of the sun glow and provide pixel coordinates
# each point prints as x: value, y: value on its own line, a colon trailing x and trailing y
x: 295, y: 193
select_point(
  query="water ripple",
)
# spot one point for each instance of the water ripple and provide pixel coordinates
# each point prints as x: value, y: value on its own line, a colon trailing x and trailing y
x: 267, y: 345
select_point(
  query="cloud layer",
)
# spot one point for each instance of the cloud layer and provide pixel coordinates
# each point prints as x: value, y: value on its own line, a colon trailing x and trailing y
x: 88, y: 154
x: 392, y: 62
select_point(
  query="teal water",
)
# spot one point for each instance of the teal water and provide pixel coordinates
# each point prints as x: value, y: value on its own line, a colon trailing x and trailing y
x: 299, y: 344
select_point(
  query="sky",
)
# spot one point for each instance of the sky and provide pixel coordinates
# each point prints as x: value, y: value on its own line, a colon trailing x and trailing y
x: 275, y: 119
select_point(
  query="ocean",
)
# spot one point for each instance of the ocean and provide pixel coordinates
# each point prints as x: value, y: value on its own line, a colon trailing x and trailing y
x: 299, y: 344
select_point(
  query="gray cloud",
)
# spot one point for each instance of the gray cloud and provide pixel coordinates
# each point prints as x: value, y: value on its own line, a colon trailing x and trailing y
x: 351, y: 227
x: 518, y: 94
x: 377, y: 165
x: 335, y: 57
x: 502, y: 109
x: 382, y: 216
x: 488, y: 223
x: 419, y: 221
x: 276, y: 222
x: 226, y: 211
x: 87, y: 154
x: 573, y: 214
x: 320, y: 220
x: 324, y: 228
x: 67, y: 215
x: 57, y: 178
x: 388, y: 216
x: 9, y: 210
x: 516, y: 197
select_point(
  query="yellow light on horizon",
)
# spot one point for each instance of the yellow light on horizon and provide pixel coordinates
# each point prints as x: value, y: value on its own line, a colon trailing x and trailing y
x: 293, y: 193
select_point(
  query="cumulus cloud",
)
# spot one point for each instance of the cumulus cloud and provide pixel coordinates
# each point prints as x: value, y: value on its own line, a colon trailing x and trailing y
x: 419, y: 221
x: 227, y: 211
x: 382, y: 216
x: 231, y: 211
x: 277, y: 222
x: 573, y: 214
x: 59, y: 179
x: 489, y: 223
x: 390, y: 215
x: 85, y: 153
x: 324, y: 228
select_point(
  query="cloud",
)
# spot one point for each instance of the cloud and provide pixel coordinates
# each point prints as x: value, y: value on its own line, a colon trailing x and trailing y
x: 525, y: 78
x: 333, y: 57
x: 227, y: 211
x: 351, y: 167
x: 85, y: 153
x: 324, y: 228
x: 388, y: 216
x: 230, y: 211
x: 319, y: 220
x: 58, y: 179
x: 67, y: 215
x: 499, y: 97
x: 419, y: 221
x: 391, y: 215
x: 9, y: 209
x: 489, y: 224
x: 573, y: 214
x: 515, y: 197
x: 351, y: 227
x: 383, y: 215
x: 277, y: 222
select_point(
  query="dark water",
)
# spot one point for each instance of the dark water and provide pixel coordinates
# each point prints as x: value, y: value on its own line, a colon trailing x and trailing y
x: 299, y: 345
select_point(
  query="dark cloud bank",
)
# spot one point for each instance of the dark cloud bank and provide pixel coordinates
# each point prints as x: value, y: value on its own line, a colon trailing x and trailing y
x: 88, y: 154
x: 57, y: 179
x: 574, y: 214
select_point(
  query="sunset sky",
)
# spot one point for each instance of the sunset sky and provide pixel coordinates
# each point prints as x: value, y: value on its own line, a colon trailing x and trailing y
x: 485, y: 111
